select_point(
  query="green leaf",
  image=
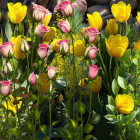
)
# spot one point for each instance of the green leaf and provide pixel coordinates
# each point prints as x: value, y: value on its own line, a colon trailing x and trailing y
x: 16, y: 132
x: 138, y: 79
x: 43, y: 128
x: 135, y: 61
x: 127, y: 55
x: 109, y: 110
x: 88, y: 137
x: 95, y: 119
x: 46, y: 138
x: 21, y: 28
x: 122, y: 82
x: 111, y: 117
x: 50, y: 58
x: 64, y: 133
x: 81, y: 107
x: 112, y: 107
x: 34, y: 96
x: 22, y: 77
x: 88, y: 128
x: 72, y: 125
x: 115, y: 87
x: 76, y: 136
x: 24, y: 138
x: 8, y: 31
x: 29, y: 20
x: 28, y: 127
x: 80, y: 128
x: 68, y: 106
x: 110, y: 100
x: 11, y: 122
x: 37, y: 114
x: 71, y: 1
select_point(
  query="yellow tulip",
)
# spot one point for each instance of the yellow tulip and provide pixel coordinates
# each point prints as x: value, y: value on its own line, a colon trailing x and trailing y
x: 79, y: 48
x: 47, y: 20
x: 17, y: 52
x: 120, y: 11
x: 44, y: 82
x: 55, y: 47
x: 95, y: 20
x: 116, y: 45
x: 95, y: 87
x: 17, y: 12
x: 124, y: 103
x: 49, y: 35
x: 112, y: 27
x: 138, y: 18
x: 137, y: 45
x: 11, y: 105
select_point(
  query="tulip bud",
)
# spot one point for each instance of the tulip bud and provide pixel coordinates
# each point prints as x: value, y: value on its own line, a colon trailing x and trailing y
x: 35, y: 65
x: 42, y: 51
x: 60, y: 99
x: 40, y: 30
x: 91, y: 52
x: 93, y: 70
x: 33, y: 78
x: 7, y: 67
x: 24, y: 46
x: 65, y: 26
x: 51, y: 72
x: 5, y: 87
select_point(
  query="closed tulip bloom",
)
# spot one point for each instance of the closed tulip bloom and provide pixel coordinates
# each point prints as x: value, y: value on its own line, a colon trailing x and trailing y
x: 5, y: 87
x: 65, y: 8
x: 24, y: 46
x: 42, y: 51
x: 40, y: 12
x: 63, y: 45
x: 95, y: 20
x: 51, y: 72
x: 137, y: 45
x: 112, y: 27
x: 17, y: 12
x: 90, y: 52
x: 32, y: 79
x: 138, y: 18
x: 40, y: 30
x: 120, y: 11
x: 6, y: 48
x: 124, y: 103
x: 93, y: 71
x: 65, y: 26
x: 7, y: 67
x: 90, y: 34
x: 54, y: 45
x: 116, y: 45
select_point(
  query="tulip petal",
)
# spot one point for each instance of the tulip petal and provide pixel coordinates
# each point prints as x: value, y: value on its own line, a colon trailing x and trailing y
x: 128, y: 11
x: 47, y: 19
x: 118, y: 52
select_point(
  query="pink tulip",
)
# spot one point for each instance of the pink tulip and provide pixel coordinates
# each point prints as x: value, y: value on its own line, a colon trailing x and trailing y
x: 90, y: 34
x: 33, y: 79
x: 65, y: 8
x: 51, y: 72
x: 40, y: 12
x: 90, y: 52
x: 6, y: 48
x: 7, y: 66
x: 63, y: 44
x: 65, y: 26
x: 93, y: 70
x: 5, y: 87
x: 42, y: 51
x: 40, y: 30
x: 24, y: 46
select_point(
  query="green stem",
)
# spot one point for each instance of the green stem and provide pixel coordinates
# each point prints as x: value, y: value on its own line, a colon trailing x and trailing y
x: 117, y: 70
x: 7, y: 118
x: 50, y: 119
x: 32, y: 55
x: 90, y: 102
x: 136, y: 79
x: 127, y: 74
x: 38, y: 89
x: 65, y: 58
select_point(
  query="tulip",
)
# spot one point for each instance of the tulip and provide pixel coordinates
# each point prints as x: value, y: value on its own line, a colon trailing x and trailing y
x: 138, y: 18
x: 51, y: 72
x: 7, y: 67
x: 90, y: 34
x: 42, y: 51
x: 120, y: 11
x: 79, y: 48
x: 116, y: 45
x: 90, y: 52
x: 54, y: 45
x: 93, y: 70
x: 137, y: 46
x: 65, y: 8
x: 40, y: 12
x: 40, y: 30
x: 63, y: 46
x: 7, y: 49
x: 95, y: 20
x: 33, y: 79
x: 112, y: 27
x: 17, y: 12
x: 124, y: 103
x: 24, y: 46
x: 65, y: 26
x: 5, y: 87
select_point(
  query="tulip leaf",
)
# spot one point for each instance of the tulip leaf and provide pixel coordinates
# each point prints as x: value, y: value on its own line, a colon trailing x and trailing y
x: 8, y: 31
x: 29, y: 20
x: 50, y: 58
x: 115, y: 87
x: 127, y: 55
x: 21, y: 28
x: 1, y: 35
x: 135, y: 61
x: 128, y: 1
x: 122, y: 82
